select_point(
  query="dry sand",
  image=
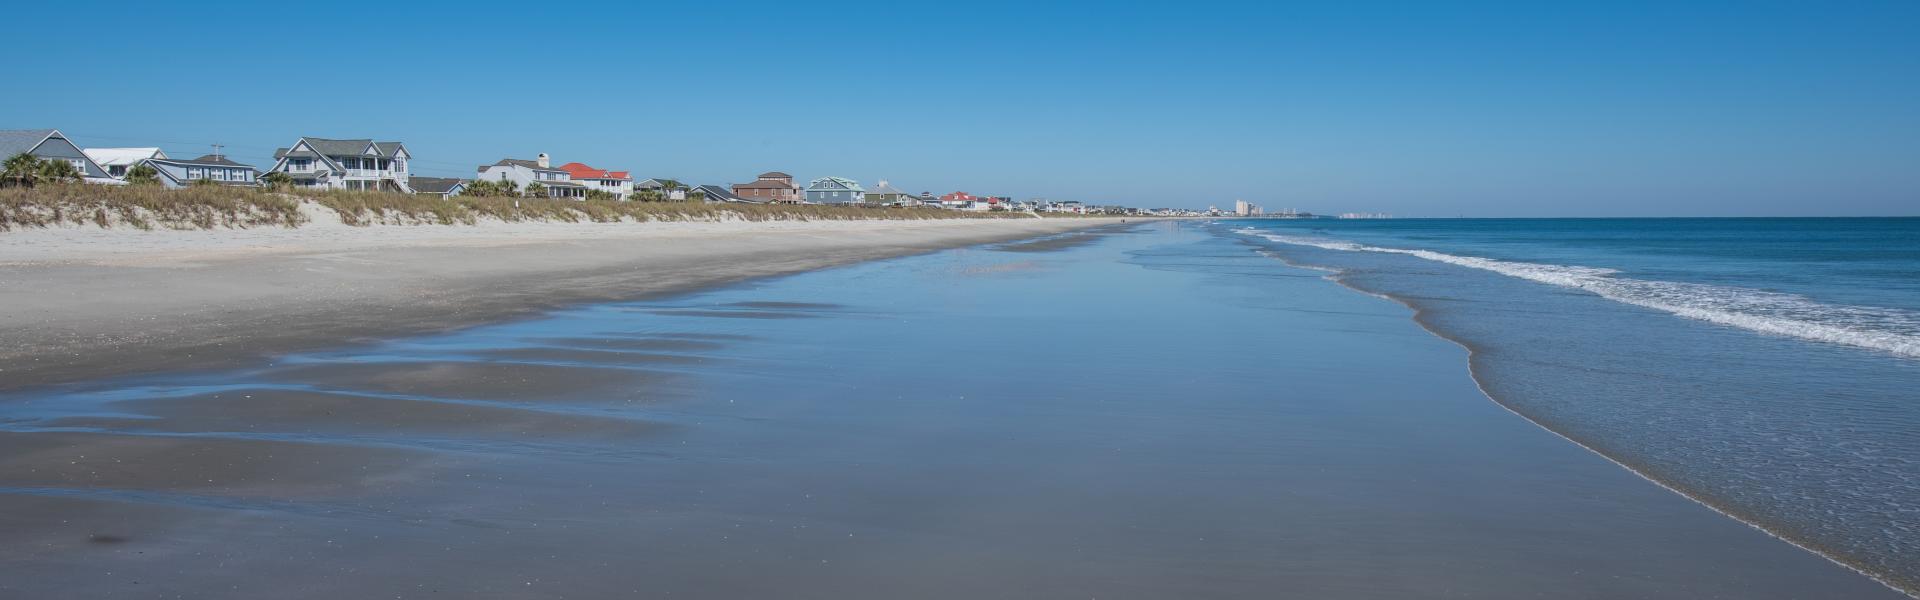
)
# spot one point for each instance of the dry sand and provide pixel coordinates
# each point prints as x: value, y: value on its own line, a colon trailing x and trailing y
x: 82, y: 303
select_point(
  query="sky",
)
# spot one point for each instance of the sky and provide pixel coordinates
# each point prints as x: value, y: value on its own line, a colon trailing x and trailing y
x: 1483, y: 109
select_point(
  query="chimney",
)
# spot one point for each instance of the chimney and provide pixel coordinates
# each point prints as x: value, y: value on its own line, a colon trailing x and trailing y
x: 543, y: 160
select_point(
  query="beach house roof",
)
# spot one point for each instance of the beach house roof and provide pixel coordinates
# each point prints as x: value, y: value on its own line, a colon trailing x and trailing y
x: 835, y: 183
x: 434, y: 185
x: 721, y: 194
x: 517, y: 162
x: 582, y: 171
x: 886, y: 189
x: 50, y: 143
x: 211, y: 159
x: 764, y: 184
x: 327, y: 147
x: 120, y: 157
x: 15, y: 141
x: 775, y: 175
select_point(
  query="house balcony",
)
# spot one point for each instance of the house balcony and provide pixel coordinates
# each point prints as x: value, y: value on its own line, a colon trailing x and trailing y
x: 370, y: 173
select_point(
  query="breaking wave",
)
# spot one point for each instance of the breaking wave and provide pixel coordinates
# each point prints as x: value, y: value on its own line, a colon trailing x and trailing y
x: 1884, y: 329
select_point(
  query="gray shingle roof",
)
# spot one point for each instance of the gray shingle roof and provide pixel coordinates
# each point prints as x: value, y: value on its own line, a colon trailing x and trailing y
x: 15, y: 141
x: 210, y: 159
x: 531, y: 164
x: 763, y: 184
x: 343, y: 148
x: 433, y: 185
x: 720, y: 194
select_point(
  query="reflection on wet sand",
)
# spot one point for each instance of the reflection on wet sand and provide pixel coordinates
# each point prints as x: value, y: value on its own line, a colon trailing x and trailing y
x: 343, y: 414
x: 483, y: 380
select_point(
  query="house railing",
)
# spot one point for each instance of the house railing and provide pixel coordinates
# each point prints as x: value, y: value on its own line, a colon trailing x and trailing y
x: 369, y: 173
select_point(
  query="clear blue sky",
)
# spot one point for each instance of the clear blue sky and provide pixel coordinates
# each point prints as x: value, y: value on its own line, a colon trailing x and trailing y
x: 1428, y: 109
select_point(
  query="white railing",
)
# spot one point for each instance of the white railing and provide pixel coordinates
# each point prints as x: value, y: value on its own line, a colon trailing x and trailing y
x: 369, y: 173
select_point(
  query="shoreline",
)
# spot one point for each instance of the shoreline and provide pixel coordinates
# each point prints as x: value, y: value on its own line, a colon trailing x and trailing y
x: 1420, y: 317
x: 1473, y: 372
x: 87, y: 304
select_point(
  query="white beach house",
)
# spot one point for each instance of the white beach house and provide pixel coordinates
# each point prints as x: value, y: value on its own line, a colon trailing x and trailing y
x: 618, y: 183
x: 118, y: 160
x: 345, y: 164
x: 554, y: 182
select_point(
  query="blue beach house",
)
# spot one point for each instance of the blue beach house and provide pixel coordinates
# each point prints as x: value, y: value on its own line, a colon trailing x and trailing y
x: 835, y: 190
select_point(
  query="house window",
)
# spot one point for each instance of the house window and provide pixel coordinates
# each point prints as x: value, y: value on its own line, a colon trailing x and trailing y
x: 79, y: 164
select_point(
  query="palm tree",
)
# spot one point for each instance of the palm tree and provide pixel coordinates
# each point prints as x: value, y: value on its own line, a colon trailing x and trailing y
x: 273, y: 181
x: 58, y: 171
x: 669, y: 186
x: 536, y: 189
x: 21, y: 169
x: 143, y: 174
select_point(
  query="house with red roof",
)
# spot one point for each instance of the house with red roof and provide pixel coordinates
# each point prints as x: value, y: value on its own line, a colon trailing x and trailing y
x: 959, y: 200
x: 966, y: 201
x: 618, y: 183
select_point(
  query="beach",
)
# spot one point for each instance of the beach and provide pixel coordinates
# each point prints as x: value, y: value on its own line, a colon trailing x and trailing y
x: 83, y: 302
x: 1145, y: 410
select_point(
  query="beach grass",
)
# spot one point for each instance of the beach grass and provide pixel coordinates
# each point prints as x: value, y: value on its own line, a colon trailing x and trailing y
x: 210, y: 207
x: 145, y: 207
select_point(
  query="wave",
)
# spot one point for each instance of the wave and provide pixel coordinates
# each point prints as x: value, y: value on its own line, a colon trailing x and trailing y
x: 1884, y: 329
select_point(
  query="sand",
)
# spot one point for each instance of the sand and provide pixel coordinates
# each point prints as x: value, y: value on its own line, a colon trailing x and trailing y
x: 83, y: 303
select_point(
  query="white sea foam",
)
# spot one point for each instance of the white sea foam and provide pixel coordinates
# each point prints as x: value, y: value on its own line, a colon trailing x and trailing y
x: 1885, y: 329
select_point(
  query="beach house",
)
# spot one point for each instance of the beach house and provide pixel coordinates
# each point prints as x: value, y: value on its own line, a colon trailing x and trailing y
x: 49, y: 144
x: 835, y: 190
x: 885, y: 193
x: 1066, y: 206
x: 666, y: 189
x: 213, y: 168
x: 618, y: 183
x: 772, y: 186
x: 118, y: 160
x: 959, y: 201
x: 715, y: 193
x: 537, y: 177
x: 361, y: 164
x: 444, y: 187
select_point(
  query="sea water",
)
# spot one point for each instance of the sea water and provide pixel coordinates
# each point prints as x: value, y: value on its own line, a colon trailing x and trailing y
x: 1769, y: 368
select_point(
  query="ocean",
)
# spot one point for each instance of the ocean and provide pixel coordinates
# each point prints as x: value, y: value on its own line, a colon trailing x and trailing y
x: 1769, y: 368
x: 1150, y: 410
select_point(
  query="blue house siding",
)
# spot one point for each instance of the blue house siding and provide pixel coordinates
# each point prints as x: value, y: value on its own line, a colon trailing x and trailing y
x: 835, y: 190
x: 49, y: 144
x: 175, y: 174
x: 834, y: 196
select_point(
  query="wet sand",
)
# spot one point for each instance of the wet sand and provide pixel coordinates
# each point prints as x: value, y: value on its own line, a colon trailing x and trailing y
x: 84, y: 304
x: 1145, y: 416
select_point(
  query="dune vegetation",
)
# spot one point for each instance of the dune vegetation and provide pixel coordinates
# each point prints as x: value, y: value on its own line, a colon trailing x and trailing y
x: 60, y: 203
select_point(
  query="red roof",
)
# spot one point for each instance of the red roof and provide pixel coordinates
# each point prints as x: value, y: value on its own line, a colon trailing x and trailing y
x: 958, y: 197
x: 580, y: 171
